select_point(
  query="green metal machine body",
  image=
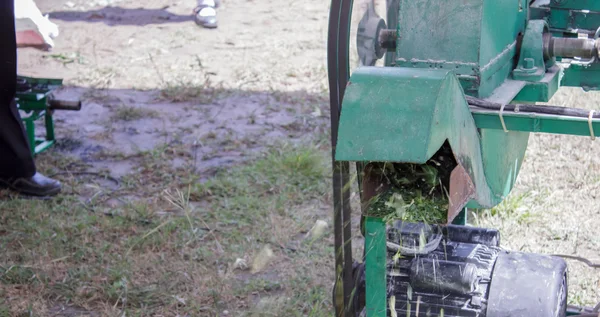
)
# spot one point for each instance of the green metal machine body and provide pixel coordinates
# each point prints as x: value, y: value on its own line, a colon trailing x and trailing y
x: 35, y: 100
x: 456, y: 74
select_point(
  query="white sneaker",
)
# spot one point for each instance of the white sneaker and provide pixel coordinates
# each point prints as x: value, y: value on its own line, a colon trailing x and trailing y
x: 205, y: 14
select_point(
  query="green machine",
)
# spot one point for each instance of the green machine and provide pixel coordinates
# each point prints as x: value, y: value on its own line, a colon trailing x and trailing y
x: 434, y: 101
x: 36, y: 101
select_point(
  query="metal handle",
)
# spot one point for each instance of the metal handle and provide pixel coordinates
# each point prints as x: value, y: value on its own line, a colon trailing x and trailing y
x: 70, y: 105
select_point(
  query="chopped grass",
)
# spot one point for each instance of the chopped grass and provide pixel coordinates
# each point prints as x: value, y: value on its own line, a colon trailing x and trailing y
x: 417, y: 193
x: 409, y: 206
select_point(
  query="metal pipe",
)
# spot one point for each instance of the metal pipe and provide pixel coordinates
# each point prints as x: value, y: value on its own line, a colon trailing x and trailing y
x: 71, y: 105
x: 553, y: 46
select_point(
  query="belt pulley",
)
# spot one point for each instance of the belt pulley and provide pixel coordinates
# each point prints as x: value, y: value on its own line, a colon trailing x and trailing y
x: 361, y: 20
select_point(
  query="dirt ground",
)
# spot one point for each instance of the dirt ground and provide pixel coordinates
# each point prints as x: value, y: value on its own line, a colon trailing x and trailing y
x: 250, y: 81
x: 164, y: 99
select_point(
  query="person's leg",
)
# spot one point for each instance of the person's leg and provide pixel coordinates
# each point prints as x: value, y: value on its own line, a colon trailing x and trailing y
x: 17, y: 166
x: 205, y: 13
x: 15, y: 157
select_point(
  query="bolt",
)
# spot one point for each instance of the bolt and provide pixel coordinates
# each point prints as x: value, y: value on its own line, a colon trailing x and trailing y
x: 529, y: 63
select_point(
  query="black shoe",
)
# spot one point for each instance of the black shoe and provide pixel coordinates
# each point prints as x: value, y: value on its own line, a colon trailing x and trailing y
x: 37, y: 185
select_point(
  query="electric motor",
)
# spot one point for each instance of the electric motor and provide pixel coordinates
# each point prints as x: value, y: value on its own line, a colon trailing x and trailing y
x: 461, y: 271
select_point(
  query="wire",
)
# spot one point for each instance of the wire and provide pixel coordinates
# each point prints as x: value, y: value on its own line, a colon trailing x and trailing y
x: 422, y: 250
x: 542, y: 109
x: 580, y: 259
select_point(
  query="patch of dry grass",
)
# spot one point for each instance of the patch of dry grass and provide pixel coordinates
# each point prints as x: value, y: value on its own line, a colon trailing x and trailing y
x: 198, y: 86
x: 202, y: 92
x: 132, y: 113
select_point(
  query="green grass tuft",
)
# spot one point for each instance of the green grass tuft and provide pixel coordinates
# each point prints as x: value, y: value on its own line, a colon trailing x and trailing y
x: 172, y: 251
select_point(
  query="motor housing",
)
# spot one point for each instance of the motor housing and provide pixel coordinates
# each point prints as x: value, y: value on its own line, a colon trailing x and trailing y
x: 461, y: 271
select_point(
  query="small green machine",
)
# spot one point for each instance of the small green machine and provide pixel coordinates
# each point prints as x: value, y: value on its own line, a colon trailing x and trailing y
x: 433, y: 102
x: 36, y: 101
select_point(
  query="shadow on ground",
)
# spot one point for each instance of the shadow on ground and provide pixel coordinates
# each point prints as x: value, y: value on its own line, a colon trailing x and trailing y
x: 211, y: 127
x: 115, y: 16
x: 143, y: 137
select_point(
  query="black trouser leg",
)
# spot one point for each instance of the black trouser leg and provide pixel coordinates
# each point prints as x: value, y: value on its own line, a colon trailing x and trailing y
x: 15, y: 157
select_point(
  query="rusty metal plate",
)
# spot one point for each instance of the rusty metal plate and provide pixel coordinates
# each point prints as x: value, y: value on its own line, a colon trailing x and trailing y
x: 372, y: 184
x: 462, y: 190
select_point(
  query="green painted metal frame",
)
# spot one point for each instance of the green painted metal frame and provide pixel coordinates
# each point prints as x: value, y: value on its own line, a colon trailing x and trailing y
x: 568, y: 17
x: 475, y: 41
x: 489, y: 122
x: 366, y: 107
x: 421, y: 128
x: 34, y: 105
x: 586, y: 77
x: 473, y: 38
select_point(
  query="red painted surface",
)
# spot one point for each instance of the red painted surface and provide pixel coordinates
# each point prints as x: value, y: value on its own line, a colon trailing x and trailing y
x: 31, y: 38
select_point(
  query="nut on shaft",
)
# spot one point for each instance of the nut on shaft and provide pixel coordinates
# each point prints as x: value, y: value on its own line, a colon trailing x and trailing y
x: 387, y: 39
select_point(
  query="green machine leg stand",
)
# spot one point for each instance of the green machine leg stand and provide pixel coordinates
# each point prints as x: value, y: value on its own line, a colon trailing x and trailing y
x: 39, y: 144
x: 376, y: 253
x: 34, y: 98
x: 376, y: 276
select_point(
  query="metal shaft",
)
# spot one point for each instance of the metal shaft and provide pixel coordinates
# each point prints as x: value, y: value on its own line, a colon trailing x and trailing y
x: 570, y: 47
x: 74, y: 105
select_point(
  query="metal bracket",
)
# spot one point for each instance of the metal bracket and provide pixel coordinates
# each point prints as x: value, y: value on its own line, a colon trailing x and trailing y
x: 590, y: 121
x: 532, y: 66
